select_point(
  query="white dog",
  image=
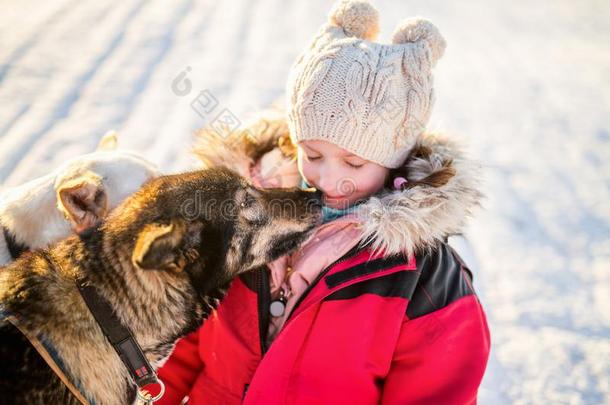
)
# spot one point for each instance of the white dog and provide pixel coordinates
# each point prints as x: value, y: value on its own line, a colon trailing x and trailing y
x: 73, y: 198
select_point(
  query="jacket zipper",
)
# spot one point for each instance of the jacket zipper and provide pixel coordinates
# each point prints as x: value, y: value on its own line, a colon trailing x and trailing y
x: 264, y: 296
x: 264, y: 300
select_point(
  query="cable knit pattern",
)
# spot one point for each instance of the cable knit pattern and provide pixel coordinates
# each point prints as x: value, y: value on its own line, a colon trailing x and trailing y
x: 369, y: 98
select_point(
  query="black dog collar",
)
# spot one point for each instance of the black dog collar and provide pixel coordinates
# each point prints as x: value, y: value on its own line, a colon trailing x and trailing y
x: 119, y: 336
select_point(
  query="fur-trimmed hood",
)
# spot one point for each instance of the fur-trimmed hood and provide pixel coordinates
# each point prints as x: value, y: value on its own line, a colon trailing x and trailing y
x: 442, y: 186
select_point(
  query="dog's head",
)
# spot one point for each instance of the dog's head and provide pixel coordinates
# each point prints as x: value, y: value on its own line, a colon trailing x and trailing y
x: 89, y: 186
x: 212, y: 224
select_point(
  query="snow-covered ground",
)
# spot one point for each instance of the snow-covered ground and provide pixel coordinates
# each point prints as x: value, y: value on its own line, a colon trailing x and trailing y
x: 527, y: 84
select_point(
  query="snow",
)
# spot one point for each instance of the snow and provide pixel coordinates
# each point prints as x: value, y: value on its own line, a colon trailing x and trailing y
x: 525, y: 84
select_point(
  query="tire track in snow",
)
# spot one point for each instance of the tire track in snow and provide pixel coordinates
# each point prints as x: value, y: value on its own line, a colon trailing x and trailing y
x: 27, y: 104
x: 136, y: 86
x: 69, y: 99
x: 164, y: 143
x: 14, y: 57
x: 141, y: 84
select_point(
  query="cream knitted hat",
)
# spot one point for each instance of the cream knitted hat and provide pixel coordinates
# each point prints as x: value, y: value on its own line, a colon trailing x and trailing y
x: 369, y: 98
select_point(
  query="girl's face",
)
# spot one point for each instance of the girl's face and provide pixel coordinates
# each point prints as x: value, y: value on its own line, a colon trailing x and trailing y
x: 343, y: 177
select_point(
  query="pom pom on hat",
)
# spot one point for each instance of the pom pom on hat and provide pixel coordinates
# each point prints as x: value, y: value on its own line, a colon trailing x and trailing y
x: 358, y: 18
x: 420, y: 29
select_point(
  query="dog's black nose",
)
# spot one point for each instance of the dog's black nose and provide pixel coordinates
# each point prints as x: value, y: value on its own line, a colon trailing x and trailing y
x: 319, y: 195
x: 316, y: 198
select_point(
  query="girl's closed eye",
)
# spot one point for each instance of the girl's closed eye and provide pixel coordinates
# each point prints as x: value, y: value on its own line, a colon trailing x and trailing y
x: 354, y: 163
x: 312, y: 154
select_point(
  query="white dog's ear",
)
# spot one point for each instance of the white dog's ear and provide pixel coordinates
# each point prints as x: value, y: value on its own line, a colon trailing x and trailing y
x: 83, y: 201
x: 166, y: 246
x: 108, y: 141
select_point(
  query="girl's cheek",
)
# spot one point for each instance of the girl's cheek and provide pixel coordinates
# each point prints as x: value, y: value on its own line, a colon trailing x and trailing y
x: 374, y: 180
x: 308, y: 171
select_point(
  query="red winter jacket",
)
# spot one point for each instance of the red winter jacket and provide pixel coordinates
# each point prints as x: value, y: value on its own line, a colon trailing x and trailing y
x: 370, y: 330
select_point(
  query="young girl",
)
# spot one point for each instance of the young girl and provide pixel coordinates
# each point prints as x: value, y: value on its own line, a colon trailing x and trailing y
x: 375, y: 307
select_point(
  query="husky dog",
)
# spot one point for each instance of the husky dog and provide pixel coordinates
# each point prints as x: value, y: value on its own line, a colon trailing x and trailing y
x: 73, y: 198
x: 162, y: 259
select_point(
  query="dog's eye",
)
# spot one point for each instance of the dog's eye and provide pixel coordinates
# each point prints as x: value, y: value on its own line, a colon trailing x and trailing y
x: 248, y: 201
x: 251, y: 211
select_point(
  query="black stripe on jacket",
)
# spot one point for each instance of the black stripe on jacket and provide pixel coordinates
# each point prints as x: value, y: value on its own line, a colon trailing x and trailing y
x: 440, y: 279
x: 444, y: 279
x: 399, y: 284
x: 364, y: 269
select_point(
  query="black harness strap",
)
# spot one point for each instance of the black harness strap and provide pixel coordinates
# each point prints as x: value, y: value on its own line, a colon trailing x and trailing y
x: 15, y: 248
x: 119, y: 336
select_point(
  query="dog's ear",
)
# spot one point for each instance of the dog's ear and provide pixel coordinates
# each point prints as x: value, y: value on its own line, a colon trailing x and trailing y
x: 83, y: 200
x: 167, y: 246
x: 108, y: 141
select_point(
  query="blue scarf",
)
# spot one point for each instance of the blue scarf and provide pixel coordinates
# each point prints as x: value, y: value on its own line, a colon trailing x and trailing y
x: 329, y: 213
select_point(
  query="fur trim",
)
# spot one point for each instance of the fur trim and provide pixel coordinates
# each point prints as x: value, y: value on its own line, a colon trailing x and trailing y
x: 241, y: 148
x: 442, y: 191
x: 417, y: 218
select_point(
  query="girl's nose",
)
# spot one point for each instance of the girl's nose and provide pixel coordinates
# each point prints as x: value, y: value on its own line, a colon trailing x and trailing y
x: 326, y: 184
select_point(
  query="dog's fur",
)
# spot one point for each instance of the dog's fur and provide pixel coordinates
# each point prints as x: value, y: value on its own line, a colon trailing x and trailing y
x: 73, y: 198
x: 162, y: 259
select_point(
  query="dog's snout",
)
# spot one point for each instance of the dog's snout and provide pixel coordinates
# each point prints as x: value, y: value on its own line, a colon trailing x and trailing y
x: 315, y: 198
x: 319, y: 195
